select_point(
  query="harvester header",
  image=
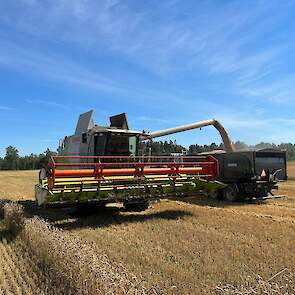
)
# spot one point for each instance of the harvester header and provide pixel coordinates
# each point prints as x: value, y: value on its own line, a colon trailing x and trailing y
x: 108, y: 179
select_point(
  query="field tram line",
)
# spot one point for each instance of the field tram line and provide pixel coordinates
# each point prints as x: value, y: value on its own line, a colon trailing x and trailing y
x: 19, y: 273
x: 25, y: 263
x: 15, y: 283
x: 16, y: 270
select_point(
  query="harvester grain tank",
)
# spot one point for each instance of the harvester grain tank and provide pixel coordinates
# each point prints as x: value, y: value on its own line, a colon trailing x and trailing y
x: 102, y: 164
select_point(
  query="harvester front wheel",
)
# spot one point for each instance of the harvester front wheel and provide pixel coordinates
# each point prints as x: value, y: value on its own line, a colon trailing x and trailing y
x: 136, y: 206
x: 43, y: 174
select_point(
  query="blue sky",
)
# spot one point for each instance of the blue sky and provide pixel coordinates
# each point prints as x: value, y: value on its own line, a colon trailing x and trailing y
x: 164, y: 63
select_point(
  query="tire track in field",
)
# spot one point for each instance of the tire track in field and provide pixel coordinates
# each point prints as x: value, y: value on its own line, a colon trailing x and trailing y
x: 19, y: 273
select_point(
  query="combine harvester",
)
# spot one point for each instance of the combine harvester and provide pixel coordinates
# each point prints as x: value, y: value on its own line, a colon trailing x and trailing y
x: 101, y: 165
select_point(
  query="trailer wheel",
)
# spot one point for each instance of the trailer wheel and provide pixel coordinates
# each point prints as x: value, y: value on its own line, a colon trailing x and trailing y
x: 215, y: 194
x: 231, y: 193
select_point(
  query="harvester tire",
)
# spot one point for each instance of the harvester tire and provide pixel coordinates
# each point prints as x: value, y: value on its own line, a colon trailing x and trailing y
x: 43, y: 173
x: 86, y: 209
x: 215, y: 194
x: 231, y: 193
x: 136, y: 206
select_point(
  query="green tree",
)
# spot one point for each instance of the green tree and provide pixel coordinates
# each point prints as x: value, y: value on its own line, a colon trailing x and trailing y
x: 43, y: 158
x: 11, y: 158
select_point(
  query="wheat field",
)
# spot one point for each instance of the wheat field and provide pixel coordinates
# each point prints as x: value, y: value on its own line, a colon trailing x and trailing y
x: 187, y: 246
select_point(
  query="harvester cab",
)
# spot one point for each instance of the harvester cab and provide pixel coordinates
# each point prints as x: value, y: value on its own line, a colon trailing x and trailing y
x: 94, y: 140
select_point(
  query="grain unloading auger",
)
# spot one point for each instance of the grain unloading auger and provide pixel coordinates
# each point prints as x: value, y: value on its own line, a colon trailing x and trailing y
x: 227, y: 143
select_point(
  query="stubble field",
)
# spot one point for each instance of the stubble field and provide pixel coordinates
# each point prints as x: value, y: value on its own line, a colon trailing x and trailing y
x: 184, y: 246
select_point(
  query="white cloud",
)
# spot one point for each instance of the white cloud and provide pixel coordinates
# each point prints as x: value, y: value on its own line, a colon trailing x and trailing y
x: 6, y: 108
x: 153, y: 119
x: 49, y: 103
x: 165, y: 40
x: 60, y: 68
x: 68, y: 71
x: 279, y: 90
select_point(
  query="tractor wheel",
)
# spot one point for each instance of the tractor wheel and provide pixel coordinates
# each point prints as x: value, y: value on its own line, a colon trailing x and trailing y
x: 137, y: 206
x: 231, y: 193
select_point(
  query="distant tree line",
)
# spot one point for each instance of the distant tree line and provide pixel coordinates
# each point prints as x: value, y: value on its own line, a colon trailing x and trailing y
x: 13, y: 161
x: 159, y: 148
